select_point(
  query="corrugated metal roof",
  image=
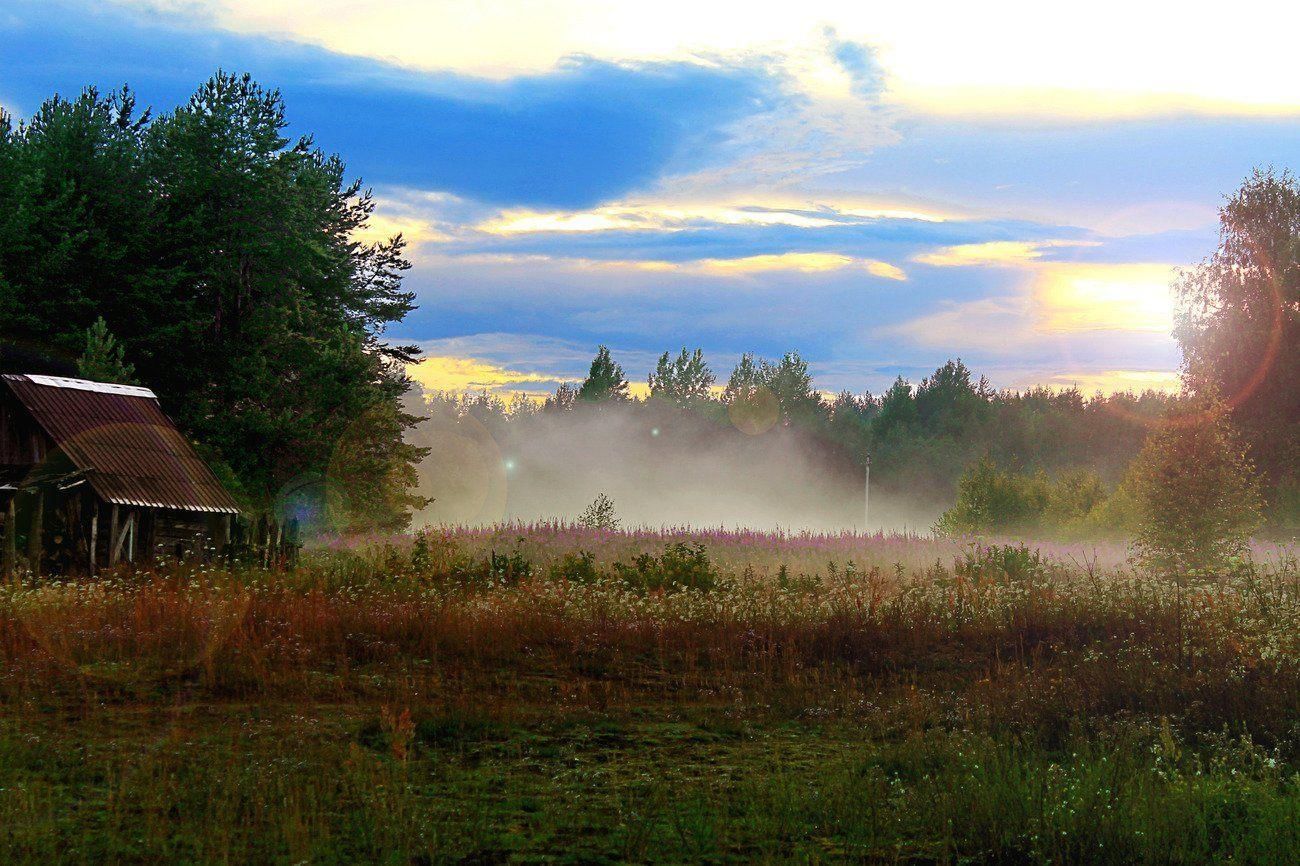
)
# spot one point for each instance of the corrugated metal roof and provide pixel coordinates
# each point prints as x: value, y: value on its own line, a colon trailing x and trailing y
x: 130, y: 451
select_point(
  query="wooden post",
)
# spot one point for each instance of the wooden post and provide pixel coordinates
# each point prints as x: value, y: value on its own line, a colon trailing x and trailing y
x: 94, y: 534
x: 128, y: 529
x: 112, y: 537
x: 10, y: 553
x: 36, y: 535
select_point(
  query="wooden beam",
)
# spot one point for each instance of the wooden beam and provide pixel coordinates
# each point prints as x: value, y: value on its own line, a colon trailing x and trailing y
x: 112, y: 536
x: 94, y: 534
x: 127, y: 528
x: 36, y: 535
x: 10, y: 553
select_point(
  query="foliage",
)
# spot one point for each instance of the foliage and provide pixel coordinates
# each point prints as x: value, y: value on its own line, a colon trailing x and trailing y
x: 684, y: 381
x: 225, y: 255
x: 605, y: 380
x: 994, y: 500
x: 104, y: 359
x: 600, y: 514
x: 744, y: 381
x: 682, y: 565
x: 564, y: 399
x: 1239, y: 325
x: 1197, y: 495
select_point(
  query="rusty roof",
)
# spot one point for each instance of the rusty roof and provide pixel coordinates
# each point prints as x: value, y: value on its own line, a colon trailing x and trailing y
x: 118, y: 437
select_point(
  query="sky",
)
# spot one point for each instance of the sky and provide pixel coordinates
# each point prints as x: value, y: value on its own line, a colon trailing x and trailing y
x: 879, y: 187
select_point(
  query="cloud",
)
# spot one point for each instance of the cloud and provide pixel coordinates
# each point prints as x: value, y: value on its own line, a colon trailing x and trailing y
x: 1011, y: 56
x: 1057, y: 298
x: 994, y: 253
x: 1109, y: 381
x: 449, y: 373
x: 861, y: 64
x: 1091, y: 297
x: 579, y: 133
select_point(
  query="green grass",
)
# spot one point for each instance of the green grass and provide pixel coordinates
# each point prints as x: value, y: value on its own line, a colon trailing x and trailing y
x: 994, y: 708
x: 336, y: 784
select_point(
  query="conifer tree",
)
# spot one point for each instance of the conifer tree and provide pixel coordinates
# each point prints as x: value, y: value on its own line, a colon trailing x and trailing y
x: 605, y: 380
x: 104, y: 359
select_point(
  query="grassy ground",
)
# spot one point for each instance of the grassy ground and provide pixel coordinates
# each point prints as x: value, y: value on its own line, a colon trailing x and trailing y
x: 454, y: 706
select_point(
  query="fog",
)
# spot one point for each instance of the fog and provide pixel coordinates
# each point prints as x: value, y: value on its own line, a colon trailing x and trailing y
x: 661, y: 467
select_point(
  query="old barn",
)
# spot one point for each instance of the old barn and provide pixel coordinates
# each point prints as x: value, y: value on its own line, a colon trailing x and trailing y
x: 92, y: 474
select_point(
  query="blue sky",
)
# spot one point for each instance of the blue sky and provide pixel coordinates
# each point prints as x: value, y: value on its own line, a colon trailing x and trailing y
x: 878, y: 189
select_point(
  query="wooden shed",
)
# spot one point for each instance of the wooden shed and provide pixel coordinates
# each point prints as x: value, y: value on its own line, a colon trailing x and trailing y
x: 92, y: 474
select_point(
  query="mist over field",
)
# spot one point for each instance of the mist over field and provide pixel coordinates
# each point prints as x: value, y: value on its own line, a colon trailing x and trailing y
x: 660, y: 469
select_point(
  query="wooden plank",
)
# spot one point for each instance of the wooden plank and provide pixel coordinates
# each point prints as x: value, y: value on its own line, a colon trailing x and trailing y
x: 112, y: 536
x: 127, y: 528
x: 10, y: 553
x: 36, y: 535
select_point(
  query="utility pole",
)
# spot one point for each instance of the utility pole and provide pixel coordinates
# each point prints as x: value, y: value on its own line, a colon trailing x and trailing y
x: 866, y: 496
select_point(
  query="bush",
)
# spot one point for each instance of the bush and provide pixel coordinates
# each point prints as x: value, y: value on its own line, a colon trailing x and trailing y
x: 1197, y: 496
x: 600, y: 515
x: 993, y: 500
x: 682, y: 566
x: 579, y: 567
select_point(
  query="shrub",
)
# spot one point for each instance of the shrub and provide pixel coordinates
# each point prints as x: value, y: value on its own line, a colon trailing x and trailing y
x: 682, y: 566
x: 600, y: 514
x: 1196, y: 493
x: 579, y: 567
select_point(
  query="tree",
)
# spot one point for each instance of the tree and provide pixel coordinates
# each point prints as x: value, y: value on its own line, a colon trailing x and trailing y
x: 897, y: 408
x: 1196, y: 495
x: 562, y: 400
x: 684, y: 381
x: 744, y: 382
x: 605, y: 380
x: 600, y: 514
x: 1239, y: 322
x: 225, y: 256
x: 104, y: 358
x: 850, y: 423
x: 948, y: 403
x: 791, y: 384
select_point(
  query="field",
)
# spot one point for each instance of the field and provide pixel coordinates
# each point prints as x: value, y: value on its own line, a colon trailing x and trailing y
x: 551, y: 694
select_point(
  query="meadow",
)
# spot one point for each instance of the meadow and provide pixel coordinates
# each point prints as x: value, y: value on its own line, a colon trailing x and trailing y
x: 547, y: 693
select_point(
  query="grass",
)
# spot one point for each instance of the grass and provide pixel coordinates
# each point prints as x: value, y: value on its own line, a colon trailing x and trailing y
x: 477, y: 699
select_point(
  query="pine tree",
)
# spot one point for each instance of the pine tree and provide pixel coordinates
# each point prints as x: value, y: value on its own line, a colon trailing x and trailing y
x: 104, y: 359
x: 684, y: 380
x: 744, y: 382
x: 605, y: 381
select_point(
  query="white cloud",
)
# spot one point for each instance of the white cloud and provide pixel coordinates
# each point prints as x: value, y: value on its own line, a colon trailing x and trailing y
x: 1011, y: 57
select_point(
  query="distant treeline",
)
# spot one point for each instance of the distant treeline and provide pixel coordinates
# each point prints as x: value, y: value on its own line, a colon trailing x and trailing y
x: 920, y: 438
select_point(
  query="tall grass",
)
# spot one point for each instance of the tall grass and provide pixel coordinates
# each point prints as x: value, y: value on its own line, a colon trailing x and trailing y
x: 948, y: 702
